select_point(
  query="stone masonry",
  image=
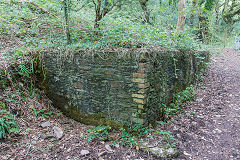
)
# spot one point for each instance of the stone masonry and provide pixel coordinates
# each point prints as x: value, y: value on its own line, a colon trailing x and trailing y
x: 123, y: 89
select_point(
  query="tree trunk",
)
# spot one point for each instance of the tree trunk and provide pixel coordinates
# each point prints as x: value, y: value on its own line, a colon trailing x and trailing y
x: 101, y: 9
x: 98, y: 13
x: 217, y: 9
x: 204, y: 19
x: 143, y: 4
x: 181, y: 15
x: 66, y: 11
x: 192, y: 15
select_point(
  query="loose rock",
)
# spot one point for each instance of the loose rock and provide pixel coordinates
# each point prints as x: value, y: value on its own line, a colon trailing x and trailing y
x: 58, y: 133
x: 85, y: 152
x: 158, y: 151
x: 108, y: 147
x: 45, y: 124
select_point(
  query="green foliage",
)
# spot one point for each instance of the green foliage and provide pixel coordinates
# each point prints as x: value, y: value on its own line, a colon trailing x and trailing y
x: 123, y: 26
x: 45, y: 113
x: 25, y: 71
x: 186, y: 95
x: 167, y: 135
x: 180, y: 99
x: 122, y: 32
x: 42, y: 112
x: 139, y: 130
x: 209, y: 4
x: 3, y: 80
x: 127, y: 138
x: 168, y: 138
x: 7, y: 124
x: 134, y: 133
x: 99, y: 132
x: 2, y: 105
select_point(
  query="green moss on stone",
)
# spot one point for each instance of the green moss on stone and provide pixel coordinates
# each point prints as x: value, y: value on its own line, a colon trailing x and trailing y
x: 90, y: 119
x: 72, y: 111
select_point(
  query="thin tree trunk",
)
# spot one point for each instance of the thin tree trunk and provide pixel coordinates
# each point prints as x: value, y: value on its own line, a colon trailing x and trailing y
x: 181, y: 15
x: 66, y: 11
x: 146, y: 11
x: 204, y: 33
x: 217, y: 8
x: 98, y: 13
x: 192, y: 15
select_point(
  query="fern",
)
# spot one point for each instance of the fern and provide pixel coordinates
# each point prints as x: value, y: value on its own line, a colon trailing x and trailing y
x: 7, y: 124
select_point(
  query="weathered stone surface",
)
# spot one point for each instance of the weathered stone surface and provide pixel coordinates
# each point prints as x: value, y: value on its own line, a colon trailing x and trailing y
x: 57, y: 132
x: 138, y: 96
x: 141, y: 101
x: 109, y: 72
x: 45, y: 124
x: 138, y: 80
x: 138, y: 75
x: 140, y: 106
x: 85, y: 152
x: 145, y: 85
x: 85, y: 87
x: 109, y: 148
x: 116, y: 84
x: 158, y: 151
x: 78, y: 85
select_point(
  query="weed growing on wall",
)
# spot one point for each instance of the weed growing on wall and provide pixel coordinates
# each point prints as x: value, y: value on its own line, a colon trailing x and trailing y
x: 180, y: 98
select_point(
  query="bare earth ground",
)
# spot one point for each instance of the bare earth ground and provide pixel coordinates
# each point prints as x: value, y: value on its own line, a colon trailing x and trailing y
x: 208, y: 129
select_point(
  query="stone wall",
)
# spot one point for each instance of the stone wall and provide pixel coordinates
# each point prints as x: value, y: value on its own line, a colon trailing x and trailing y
x: 120, y: 87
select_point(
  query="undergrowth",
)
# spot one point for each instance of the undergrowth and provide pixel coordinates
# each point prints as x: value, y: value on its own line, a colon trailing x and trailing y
x: 39, y: 31
x: 20, y: 95
x: 128, y: 136
x: 7, y: 124
x: 179, y: 100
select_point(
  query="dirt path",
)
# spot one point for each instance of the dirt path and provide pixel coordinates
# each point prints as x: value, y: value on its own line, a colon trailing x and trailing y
x: 210, y: 127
